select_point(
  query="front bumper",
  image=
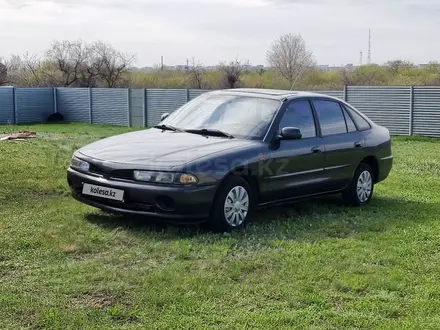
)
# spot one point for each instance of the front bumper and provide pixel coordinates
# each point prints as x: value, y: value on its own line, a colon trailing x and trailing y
x: 193, y: 202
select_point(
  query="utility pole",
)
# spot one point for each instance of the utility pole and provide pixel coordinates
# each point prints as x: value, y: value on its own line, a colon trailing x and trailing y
x: 361, y: 58
x: 161, y: 63
x: 369, y: 46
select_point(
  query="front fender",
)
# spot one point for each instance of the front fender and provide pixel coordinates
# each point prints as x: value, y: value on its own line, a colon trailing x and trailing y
x: 213, y: 169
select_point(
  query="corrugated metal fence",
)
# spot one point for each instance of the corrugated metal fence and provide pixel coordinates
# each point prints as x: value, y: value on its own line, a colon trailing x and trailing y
x: 33, y: 104
x: 404, y: 110
x: 386, y: 106
x: 425, y: 119
x: 7, y: 115
x: 74, y: 103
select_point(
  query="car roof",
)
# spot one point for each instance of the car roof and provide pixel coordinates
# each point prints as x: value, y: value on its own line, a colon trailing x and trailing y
x: 271, y: 93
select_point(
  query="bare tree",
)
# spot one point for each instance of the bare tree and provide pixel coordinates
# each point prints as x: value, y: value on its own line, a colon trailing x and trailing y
x: 112, y: 65
x: 69, y: 59
x: 290, y: 57
x: 232, y: 73
x: 77, y: 63
x: 28, y: 71
x: 197, y: 74
x: 3, y: 74
x: 14, y: 63
x: 69, y: 64
x: 346, y: 77
x: 89, y: 74
x: 396, y: 66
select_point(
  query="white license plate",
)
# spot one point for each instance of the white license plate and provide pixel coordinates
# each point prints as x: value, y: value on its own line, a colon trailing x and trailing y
x: 103, y: 192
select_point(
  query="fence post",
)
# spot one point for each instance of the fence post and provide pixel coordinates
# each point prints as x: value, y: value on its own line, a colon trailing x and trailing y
x: 128, y: 107
x: 411, y: 109
x: 55, y: 101
x: 144, y: 107
x: 187, y: 95
x: 14, y: 102
x: 90, y: 106
x: 345, y: 93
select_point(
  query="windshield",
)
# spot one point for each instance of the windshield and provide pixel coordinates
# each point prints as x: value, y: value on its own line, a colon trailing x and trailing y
x: 236, y: 115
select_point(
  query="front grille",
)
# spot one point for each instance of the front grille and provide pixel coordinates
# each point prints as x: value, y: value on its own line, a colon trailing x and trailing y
x: 93, y: 168
x: 122, y: 174
x: 108, y: 172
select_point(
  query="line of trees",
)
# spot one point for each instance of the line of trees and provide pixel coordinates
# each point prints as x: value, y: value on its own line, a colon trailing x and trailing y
x: 291, y: 66
x: 69, y: 64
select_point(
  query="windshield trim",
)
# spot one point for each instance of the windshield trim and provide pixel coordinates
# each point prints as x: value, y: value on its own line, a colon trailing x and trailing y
x: 275, y: 116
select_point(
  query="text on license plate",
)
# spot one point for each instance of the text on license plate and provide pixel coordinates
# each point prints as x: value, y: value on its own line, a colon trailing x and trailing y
x: 103, y: 192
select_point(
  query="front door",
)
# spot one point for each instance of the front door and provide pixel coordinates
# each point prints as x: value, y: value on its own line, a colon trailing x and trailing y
x: 296, y: 167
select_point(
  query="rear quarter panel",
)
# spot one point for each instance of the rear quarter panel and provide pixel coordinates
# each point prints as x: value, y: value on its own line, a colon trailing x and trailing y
x: 378, y: 144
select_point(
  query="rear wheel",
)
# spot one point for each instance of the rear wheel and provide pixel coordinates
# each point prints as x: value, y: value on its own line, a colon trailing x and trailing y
x: 360, y: 191
x: 232, y: 206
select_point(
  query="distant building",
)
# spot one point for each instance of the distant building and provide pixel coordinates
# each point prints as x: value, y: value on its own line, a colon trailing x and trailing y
x: 323, y: 67
x: 182, y: 67
x: 254, y: 68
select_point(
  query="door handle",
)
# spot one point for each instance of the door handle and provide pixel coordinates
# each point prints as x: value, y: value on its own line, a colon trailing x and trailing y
x: 358, y: 144
x: 316, y: 150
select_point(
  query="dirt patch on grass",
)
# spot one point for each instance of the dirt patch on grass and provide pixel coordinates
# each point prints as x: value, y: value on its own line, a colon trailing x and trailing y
x: 93, y: 300
x: 17, y: 136
x: 77, y: 250
x: 71, y: 249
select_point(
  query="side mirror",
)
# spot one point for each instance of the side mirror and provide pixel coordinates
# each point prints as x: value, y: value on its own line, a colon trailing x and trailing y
x: 290, y: 133
x: 164, y: 116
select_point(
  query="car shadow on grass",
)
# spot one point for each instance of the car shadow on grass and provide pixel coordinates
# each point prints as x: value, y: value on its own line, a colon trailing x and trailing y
x: 307, y: 220
x: 329, y: 217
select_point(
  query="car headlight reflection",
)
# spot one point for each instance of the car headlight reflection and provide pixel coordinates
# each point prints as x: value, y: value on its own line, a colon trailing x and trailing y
x: 79, y: 164
x: 165, y: 177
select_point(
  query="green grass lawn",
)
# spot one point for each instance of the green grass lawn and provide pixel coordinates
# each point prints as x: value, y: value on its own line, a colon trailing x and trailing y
x: 312, y: 265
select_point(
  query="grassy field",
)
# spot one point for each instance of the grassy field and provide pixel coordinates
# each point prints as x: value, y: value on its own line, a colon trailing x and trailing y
x: 312, y: 265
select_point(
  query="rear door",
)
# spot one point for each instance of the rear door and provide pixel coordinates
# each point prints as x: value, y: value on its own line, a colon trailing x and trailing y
x: 343, y: 143
x: 297, y: 166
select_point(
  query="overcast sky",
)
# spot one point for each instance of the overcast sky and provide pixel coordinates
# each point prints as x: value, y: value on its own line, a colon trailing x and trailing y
x: 217, y: 30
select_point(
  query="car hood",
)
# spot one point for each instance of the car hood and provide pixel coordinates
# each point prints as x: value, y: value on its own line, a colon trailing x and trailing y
x: 154, y: 148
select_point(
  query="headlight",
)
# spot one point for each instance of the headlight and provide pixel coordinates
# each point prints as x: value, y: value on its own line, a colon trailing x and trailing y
x: 79, y: 164
x: 165, y: 177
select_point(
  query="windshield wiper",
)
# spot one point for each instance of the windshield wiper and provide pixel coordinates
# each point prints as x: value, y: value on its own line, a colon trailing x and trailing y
x: 168, y: 128
x: 210, y: 131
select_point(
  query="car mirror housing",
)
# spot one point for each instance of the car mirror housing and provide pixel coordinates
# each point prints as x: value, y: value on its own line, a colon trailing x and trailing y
x: 290, y: 133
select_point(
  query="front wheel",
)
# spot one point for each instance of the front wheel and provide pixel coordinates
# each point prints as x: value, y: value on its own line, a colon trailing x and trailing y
x: 361, y: 189
x: 232, y: 206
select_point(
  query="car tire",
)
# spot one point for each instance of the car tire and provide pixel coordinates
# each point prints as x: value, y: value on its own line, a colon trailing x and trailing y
x: 233, y: 205
x: 361, y: 189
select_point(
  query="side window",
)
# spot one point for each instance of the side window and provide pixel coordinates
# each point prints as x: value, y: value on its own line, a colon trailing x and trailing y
x: 350, y: 124
x: 299, y: 114
x: 330, y: 117
x: 361, y: 123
